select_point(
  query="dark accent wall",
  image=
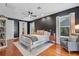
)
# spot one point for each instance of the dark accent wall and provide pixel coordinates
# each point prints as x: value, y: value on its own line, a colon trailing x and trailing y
x: 28, y: 27
x: 50, y: 24
x: 46, y: 24
x: 16, y: 28
x: 76, y: 10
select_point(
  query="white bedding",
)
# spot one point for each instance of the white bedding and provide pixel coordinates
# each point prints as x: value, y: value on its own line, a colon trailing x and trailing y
x: 41, y: 37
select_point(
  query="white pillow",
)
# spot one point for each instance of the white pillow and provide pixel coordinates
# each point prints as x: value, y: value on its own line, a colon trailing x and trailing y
x: 46, y: 33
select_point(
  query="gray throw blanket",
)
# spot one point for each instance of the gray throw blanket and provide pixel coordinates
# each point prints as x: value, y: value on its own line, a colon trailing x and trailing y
x: 33, y: 38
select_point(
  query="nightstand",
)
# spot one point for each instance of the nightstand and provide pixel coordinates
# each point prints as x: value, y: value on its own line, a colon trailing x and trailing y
x: 52, y: 38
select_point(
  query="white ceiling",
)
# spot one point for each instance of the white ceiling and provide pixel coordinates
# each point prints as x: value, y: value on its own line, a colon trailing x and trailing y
x: 15, y: 10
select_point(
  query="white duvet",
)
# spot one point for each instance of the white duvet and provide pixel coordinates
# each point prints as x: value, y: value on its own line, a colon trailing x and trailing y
x: 41, y: 37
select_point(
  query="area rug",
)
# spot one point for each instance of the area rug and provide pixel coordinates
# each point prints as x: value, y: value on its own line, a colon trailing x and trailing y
x: 35, y: 51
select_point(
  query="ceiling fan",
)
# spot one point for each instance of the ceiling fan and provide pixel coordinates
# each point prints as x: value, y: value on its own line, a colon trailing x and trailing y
x: 29, y: 14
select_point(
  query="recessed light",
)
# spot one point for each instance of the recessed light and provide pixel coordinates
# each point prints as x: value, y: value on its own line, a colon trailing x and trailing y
x: 48, y: 18
x: 38, y: 8
x: 43, y: 19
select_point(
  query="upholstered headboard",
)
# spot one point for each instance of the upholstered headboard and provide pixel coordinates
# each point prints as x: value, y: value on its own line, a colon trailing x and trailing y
x: 42, y: 32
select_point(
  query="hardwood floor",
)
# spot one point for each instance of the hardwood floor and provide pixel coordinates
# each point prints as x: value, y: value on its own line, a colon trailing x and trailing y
x: 57, y: 50
x: 54, y: 50
x: 11, y: 50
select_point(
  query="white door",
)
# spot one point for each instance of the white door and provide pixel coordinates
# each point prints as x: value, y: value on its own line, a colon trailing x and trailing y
x: 9, y: 29
x: 32, y: 27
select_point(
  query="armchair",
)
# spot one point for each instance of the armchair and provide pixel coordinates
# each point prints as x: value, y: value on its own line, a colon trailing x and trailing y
x: 71, y: 44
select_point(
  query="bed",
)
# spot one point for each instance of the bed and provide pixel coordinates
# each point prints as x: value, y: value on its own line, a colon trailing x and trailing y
x: 35, y: 39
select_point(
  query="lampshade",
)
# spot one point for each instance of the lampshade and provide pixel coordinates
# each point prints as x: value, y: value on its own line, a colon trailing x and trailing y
x: 77, y: 26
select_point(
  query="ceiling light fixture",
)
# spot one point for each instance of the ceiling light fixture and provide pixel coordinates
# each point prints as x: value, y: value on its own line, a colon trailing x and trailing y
x: 29, y: 14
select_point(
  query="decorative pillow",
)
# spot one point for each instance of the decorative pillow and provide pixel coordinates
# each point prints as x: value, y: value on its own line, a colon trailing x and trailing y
x: 40, y: 32
x: 46, y: 33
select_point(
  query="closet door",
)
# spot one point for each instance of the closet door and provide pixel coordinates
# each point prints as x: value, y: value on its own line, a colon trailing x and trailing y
x: 32, y: 27
x: 25, y: 28
x: 9, y: 29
